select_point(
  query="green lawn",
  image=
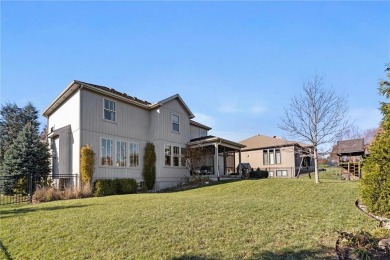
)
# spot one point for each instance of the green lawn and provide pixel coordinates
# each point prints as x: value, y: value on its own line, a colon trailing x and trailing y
x: 249, y: 219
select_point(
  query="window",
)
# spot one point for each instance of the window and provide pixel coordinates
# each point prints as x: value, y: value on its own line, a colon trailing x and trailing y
x: 109, y: 110
x: 175, y: 123
x: 183, y: 159
x: 176, y: 156
x: 270, y: 174
x: 121, y: 154
x: 265, y: 157
x: 271, y: 156
x: 167, y: 155
x: 282, y: 173
x: 106, y: 152
x: 277, y: 156
x: 134, y: 155
x: 202, y: 132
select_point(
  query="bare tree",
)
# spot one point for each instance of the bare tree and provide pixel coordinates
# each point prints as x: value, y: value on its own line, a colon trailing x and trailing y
x: 317, y: 116
x: 197, y: 157
x: 369, y: 135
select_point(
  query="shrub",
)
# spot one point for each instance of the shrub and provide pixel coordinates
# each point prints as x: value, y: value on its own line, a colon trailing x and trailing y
x: 125, y: 186
x: 115, y: 186
x: 87, y: 164
x: 258, y: 174
x: 104, y: 188
x: 48, y: 193
x: 149, y: 170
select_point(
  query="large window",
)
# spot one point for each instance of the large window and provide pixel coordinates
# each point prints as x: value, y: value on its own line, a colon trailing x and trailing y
x: 175, y: 123
x: 109, y: 110
x: 121, y: 154
x: 168, y: 155
x: 134, y: 155
x: 183, y: 159
x: 106, y: 152
x: 271, y: 156
x: 176, y: 155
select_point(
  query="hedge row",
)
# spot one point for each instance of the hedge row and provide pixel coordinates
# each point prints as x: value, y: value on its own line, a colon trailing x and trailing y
x: 258, y: 174
x: 115, y: 186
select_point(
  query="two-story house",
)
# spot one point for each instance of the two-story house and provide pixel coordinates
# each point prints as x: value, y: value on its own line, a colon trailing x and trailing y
x: 282, y: 158
x: 118, y: 126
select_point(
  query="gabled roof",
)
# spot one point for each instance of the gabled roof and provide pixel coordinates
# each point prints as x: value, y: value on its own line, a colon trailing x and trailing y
x: 261, y: 141
x: 75, y: 85
x: 350, y: 146
x: 177, y: 96
x: 192, y: 122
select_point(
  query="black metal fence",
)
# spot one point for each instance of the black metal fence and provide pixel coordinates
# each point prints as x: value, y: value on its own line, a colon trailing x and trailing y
x: 20, y: 188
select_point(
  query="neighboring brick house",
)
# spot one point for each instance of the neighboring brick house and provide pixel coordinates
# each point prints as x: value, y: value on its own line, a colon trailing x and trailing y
x: 280, y: 157
x: 118, y: 126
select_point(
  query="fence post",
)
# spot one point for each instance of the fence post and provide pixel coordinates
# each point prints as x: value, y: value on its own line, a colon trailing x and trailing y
x: 30, y: 188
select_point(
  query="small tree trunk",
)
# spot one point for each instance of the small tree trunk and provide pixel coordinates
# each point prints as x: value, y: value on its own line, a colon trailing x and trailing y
x: 317, y: 178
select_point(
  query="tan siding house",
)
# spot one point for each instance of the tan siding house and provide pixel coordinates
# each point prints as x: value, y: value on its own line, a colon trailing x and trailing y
x: 280, y: 157
x: 118, y: 127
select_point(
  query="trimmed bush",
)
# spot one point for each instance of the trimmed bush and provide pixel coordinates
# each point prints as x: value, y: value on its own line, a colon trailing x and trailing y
x: 104, y: 188
x: 149, y: 171
x: 125, y: 186
x: 87, y: 164
x: 115, y: 186
x: 258, y: 174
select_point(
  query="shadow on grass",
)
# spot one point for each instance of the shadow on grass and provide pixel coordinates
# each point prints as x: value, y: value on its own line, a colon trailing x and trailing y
x: 323, y: 252
x: 9, y: 212
x: 186, y: 187
x: 5, y: 252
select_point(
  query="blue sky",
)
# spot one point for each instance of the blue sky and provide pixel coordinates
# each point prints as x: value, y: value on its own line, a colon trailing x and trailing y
x: 236, y: 64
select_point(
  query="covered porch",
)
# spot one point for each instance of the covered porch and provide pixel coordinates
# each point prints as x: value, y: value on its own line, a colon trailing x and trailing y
x: 222, y: 162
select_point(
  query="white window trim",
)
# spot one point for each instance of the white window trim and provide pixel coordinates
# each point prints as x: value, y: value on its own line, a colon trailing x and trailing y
x: 105, y: 119
x: 134, y: 167
x: 180, y: 155
x: 112, y: 151
x: 116, y: 147
x: 174, y: 131
x: 170, y: 156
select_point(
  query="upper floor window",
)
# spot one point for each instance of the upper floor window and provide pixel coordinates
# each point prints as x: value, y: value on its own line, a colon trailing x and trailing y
x: 109, y: 110
x: 203, y: 132
x: 175, y: 123
x: 271, y: 156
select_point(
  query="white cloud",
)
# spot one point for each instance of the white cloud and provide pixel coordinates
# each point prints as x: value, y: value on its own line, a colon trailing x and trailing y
x: 204, y: 119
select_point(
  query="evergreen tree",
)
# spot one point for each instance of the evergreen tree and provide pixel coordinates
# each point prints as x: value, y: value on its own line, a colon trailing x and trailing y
x: 27, y: 155
x: 375, y: 184
x: 149, y: 171
x: 12, y: 121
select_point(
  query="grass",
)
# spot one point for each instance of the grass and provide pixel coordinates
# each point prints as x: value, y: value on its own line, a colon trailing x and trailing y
x: 249, y: 219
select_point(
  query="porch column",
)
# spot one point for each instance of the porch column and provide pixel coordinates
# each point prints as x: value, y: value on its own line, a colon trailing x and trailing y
x: 216, y: 166
x: 239, y: 163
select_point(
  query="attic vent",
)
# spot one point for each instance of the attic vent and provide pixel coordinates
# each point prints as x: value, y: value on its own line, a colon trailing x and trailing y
x: 274, y: 136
